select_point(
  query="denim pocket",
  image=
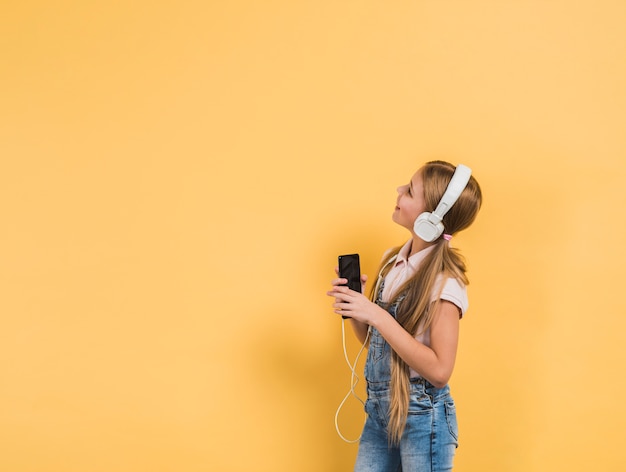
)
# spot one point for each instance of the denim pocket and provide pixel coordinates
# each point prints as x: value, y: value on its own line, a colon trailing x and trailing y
x: 377, y: 410
x: 420, y: 404
x: 453, y: 426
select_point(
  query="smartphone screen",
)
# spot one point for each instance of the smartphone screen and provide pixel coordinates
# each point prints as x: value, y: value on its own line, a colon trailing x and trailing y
x: 350, y: 268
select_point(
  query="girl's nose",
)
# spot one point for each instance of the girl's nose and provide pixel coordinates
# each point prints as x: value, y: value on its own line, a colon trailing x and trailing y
x: 401, y: 189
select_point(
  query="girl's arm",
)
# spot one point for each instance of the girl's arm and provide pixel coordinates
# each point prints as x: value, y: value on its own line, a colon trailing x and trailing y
x: 434, y: 363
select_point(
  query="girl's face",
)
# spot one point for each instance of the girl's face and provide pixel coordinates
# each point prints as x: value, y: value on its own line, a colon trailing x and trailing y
x: 410, y: 203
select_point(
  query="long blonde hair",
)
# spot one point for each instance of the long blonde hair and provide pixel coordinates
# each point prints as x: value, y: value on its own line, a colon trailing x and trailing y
x: 415, y: 311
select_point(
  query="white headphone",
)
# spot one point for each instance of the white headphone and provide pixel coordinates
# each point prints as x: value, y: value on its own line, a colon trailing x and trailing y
x: 428, y: 226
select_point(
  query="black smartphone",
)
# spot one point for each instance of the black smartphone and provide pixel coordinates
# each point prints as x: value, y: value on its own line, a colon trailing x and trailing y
x: 350, y: 268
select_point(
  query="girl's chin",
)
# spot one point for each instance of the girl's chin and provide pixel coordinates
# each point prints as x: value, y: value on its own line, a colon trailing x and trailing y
x: 397, y: 220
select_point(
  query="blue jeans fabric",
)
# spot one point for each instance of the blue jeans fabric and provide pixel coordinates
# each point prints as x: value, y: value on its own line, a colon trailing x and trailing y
x: 430, y: 438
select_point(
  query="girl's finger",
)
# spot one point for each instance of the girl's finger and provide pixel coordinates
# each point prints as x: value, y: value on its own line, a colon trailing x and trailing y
x: 341, y: 306
x: 336, y: 292
x: 340, y: 288
x: 339, y: 281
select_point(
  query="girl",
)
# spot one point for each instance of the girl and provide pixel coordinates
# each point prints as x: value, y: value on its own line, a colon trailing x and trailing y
x: 412, y: 323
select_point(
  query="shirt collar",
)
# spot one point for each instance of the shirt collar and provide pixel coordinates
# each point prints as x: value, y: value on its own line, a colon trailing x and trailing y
x: 414, y: 260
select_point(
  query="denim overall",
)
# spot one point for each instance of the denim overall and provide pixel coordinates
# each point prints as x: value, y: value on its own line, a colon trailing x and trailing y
x: 430, y: 438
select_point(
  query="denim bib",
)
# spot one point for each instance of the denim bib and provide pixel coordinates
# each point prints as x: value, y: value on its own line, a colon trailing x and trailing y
x: 378, y: 363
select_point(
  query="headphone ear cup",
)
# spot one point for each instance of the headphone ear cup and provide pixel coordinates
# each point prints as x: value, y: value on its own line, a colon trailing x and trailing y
x: 426, y: 229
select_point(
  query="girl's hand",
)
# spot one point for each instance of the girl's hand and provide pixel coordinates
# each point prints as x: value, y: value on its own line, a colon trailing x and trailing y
x: 336, y: 282
x: 353, y: 304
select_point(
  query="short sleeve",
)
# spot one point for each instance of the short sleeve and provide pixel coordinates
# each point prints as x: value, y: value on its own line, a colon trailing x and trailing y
x: 455, y: 292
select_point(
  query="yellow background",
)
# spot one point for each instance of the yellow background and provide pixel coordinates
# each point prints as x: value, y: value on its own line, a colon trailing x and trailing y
x: 178, y: 177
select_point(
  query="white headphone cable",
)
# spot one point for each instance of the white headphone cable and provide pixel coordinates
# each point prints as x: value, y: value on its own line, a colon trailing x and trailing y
x: 354, y: 380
